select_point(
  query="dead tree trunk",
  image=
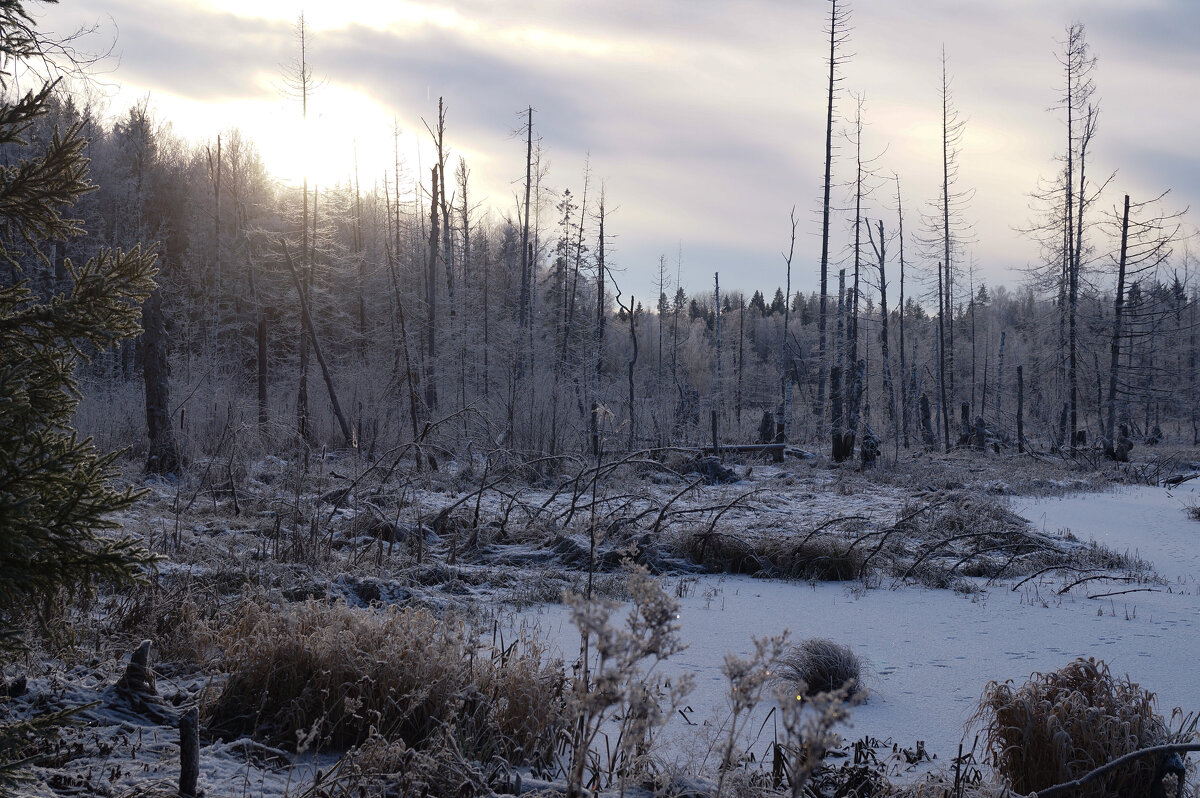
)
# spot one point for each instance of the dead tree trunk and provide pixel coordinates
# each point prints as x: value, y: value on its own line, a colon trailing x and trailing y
x: 523, y: 315
x: 431, y: 280
x: 888, y: 386
x: 302, y: 389
x: 941, y: 334
x: 598, y: 342
x: 836, y: 378
x: 999, y: 400
x: 927, y: 423
x: 905, y: 398
x: 718, y: 385
x: 156, y: 372
x: 838, y: 17
x: 632, y: 363
x: 1115, y: 356
x: 1020, y: 410
x: 312, y: 331
x: 786, y: 361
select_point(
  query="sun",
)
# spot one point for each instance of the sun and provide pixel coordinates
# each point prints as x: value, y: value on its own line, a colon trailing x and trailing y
x: 345, y: 132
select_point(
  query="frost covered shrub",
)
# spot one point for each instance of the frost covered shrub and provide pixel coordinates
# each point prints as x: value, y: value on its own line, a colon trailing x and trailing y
x: 821, y: 666
x: 1060, y: 725
x: 620, y: 684
x: 330, y: 675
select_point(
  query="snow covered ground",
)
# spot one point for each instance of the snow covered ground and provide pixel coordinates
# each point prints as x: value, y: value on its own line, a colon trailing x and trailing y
x: 930, y: 652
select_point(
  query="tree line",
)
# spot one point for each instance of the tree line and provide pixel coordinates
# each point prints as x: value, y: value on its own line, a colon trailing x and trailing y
x: 440, y: 324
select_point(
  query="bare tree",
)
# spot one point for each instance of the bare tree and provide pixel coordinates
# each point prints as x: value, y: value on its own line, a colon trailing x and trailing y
x: 1145, y: 245
x: 838, y: 29
x: 299, y: 81
x: 880, y: 249
x: 905, y: 399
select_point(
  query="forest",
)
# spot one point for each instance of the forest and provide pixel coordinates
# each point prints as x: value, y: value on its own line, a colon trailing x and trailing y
x: 327, y: 449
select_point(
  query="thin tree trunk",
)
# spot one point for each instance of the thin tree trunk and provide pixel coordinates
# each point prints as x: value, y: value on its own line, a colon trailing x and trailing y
x: 523, y: 315
x: 836, y: 28
x: 786, y: 360
x: 836, y: 378
x: 905, y: 398
x: 1020, y: 410
x: 598, y: 357
x: 944, y: 407
x: 333, y: 400
x: 999, y: 400
x: 156, y: 371
x: 1118, y: 311
x: 718, y: 384
x: 431, y: 280
x: 888, y: 386
x: 302, y: 389
x: 632, y: 363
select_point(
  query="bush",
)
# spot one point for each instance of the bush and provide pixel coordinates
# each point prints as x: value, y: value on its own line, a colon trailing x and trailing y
x: 332, y: 676
x: 821, y: 666
x: 1058, y: 726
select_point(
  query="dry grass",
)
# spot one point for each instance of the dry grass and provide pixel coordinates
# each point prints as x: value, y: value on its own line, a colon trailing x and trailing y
x: 1060, y: 725
x: 822, y: 666
x: 332, y: 676
x: 822, y: 558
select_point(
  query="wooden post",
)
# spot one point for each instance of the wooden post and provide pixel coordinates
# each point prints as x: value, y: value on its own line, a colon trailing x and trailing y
x: 1020, y: 410
x: 189, y: 752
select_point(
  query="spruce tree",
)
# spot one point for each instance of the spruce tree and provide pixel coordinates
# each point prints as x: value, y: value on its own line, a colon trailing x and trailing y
x: 56, y: 499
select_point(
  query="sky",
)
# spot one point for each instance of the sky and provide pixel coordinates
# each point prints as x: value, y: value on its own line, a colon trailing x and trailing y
x: 703, y: 120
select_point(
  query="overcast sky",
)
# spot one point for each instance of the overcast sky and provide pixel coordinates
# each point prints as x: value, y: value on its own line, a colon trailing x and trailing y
x: 704, y: 119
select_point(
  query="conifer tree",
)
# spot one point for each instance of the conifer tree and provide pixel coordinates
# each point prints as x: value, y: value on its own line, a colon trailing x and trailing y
x: 55, y: 496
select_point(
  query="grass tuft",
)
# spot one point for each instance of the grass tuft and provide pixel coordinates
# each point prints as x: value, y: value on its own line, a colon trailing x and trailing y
x: 822, y: 666
x: 1060, y: 725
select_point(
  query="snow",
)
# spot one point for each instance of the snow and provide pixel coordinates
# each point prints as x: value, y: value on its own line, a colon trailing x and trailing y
x: 930, y: 652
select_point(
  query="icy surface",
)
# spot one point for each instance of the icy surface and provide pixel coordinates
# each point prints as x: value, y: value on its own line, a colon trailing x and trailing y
x: 930, y: 652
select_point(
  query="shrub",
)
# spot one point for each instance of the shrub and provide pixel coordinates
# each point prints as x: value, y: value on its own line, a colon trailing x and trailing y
x: 1060, y: 725
x: 821, y: 666
x: 330, y: 675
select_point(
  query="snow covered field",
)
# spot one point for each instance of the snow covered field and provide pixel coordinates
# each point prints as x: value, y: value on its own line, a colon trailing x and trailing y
x: 930, y: 652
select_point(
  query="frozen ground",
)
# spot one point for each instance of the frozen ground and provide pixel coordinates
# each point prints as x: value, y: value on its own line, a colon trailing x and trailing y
x: 930, y: 652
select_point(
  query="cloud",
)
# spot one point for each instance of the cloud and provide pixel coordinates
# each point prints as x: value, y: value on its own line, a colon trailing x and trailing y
x: 706, y: 118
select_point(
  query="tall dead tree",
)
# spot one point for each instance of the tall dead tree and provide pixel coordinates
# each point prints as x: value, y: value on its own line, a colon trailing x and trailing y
x: 905, y: 399
x: 839, y: 18
x: 854, y: 381
x: 299, y: 81
x: 717, y: 384
x: 633, y: 338
x: 946, y: 236
x: 837, y: 378
x: 1078, y: 62
x: 598, y: 339
x: 431, y: 280
x: 880, y: 249
x: 786, y: 359
x: 214, y: 175
x: 1145, y: 245
x: 526, y: 265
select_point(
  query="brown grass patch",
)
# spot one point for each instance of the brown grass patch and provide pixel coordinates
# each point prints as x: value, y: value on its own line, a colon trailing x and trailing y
x: 1060, y: 725
x: 333, y: 676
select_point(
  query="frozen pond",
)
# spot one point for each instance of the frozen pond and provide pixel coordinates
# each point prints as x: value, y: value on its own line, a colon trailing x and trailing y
x: 930, y: 652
